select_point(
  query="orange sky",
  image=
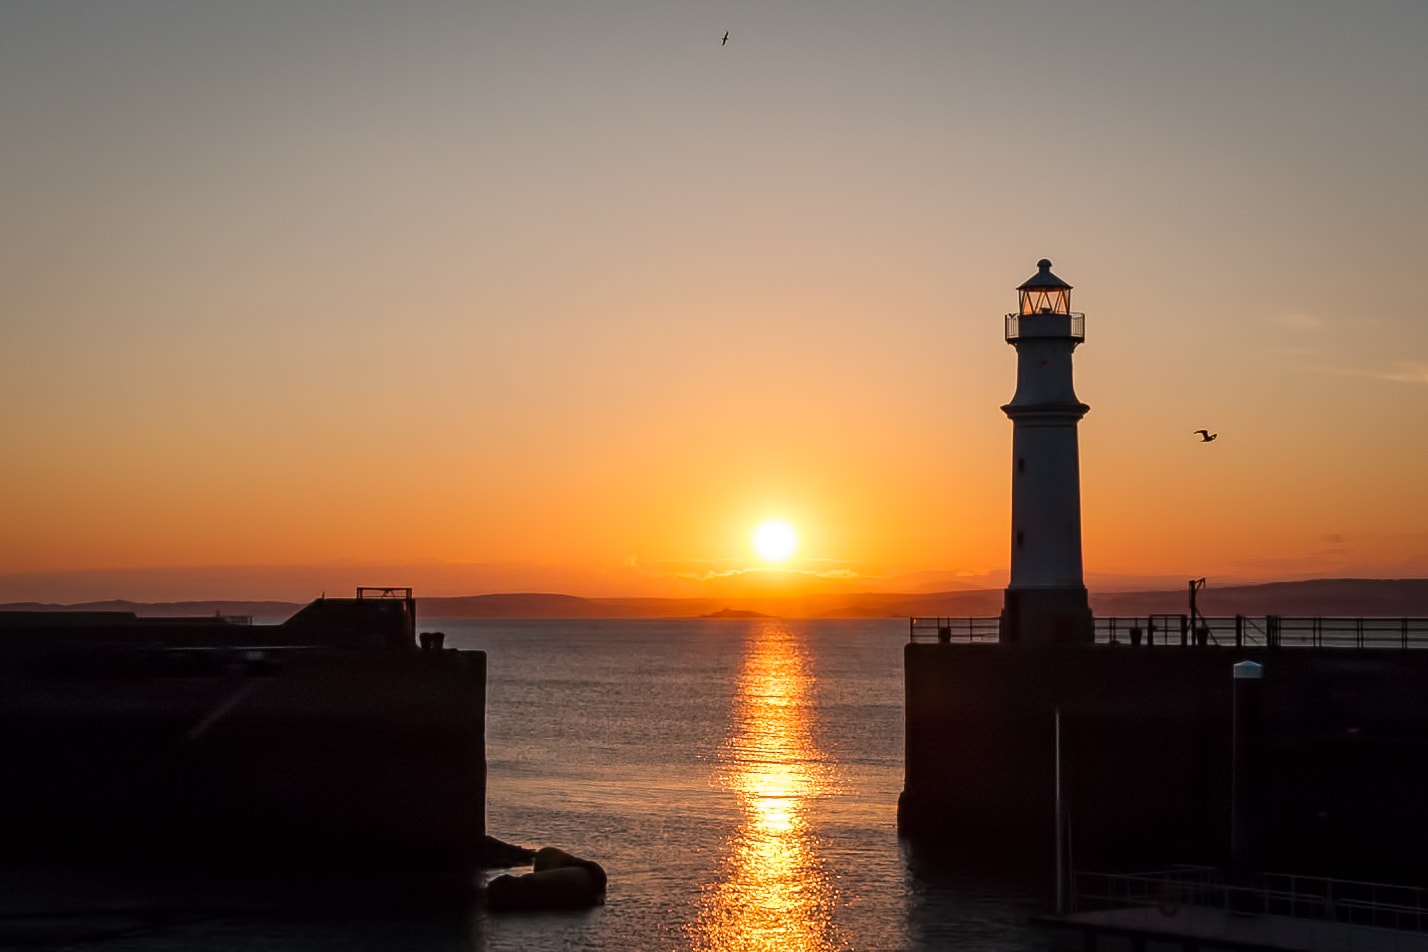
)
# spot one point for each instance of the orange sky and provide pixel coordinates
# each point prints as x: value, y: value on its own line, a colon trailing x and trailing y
x: 490, y: 299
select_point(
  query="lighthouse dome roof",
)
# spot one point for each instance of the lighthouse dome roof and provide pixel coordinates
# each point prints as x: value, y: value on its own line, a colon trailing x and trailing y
x: 1043, y: 279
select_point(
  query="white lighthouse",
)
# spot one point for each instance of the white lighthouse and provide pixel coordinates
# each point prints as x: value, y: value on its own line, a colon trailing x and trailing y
x: 1046, y: 598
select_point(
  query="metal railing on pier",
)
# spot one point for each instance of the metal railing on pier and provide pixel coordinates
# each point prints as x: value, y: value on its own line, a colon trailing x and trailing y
x: 1270, y: 631
x: 962, y: 630
x: 1286, y: 895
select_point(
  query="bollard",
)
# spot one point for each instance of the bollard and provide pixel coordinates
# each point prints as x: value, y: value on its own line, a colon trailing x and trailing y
x: 1245, y: 786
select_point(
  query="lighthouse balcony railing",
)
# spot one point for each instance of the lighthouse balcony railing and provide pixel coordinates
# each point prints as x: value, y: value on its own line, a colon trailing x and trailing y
x: 1072, y: 325
x: 1239, y: 631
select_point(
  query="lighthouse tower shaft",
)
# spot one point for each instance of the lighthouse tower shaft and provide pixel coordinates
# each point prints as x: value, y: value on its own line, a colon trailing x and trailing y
x: 1046, y: 597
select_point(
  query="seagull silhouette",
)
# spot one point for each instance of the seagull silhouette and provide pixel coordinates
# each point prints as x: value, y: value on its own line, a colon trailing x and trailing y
x: 725, y: 39
x: 1206, y: 436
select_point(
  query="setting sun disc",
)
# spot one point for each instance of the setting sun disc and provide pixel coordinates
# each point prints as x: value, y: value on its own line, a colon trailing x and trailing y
x: 775, y: 540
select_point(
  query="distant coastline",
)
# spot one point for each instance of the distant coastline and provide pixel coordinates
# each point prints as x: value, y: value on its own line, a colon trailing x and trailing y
x: 735, y: 613
x: 1313, y: 597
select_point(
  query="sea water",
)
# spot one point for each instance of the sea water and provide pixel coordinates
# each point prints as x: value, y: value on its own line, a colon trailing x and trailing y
x: 737, y: 779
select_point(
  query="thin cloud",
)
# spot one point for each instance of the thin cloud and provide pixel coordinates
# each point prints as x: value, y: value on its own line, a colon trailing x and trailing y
x: 1299, y: 322
x: 1407, y: 371
x: 838, y: 573
x: 1403, y: 371
x: 841, y: 574
x: 703, y: 570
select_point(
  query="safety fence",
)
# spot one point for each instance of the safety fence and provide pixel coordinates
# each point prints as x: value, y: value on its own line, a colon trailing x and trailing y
x: 1375, y: 905
x: 1270, y: 631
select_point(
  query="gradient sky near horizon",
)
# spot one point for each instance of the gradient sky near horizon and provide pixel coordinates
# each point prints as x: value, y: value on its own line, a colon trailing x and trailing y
x: 568, y: 296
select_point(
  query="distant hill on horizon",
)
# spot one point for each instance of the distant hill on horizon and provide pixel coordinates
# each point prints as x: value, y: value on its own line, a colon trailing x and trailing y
x: 1345, y: 597
x: 1309, y: 598
x: 254, y: 609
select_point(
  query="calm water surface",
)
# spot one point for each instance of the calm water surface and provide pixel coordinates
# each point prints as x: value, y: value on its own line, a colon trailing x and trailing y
x: 738, y: 780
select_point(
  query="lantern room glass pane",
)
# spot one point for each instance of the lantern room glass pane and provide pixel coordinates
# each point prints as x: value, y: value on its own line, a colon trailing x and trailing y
x: 1046, y: 301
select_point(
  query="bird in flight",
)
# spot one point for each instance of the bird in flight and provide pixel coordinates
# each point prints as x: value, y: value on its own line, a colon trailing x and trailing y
x: 1206, y: 436
x: 725, y: 39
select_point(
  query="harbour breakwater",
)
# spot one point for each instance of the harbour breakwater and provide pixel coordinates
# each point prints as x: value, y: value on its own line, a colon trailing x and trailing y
x: 335, y: 736
x: 1335, y: 784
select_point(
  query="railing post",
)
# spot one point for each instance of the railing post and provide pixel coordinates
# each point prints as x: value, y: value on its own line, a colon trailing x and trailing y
x: 1184, y: 631
x: 1239, y: 631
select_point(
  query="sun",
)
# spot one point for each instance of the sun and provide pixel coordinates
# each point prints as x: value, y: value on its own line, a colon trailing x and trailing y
x: 775, y: 540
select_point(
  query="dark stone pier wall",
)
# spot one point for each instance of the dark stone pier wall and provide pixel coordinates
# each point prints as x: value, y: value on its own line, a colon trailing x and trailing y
x: 323, y: 755
x: 1146, y: 746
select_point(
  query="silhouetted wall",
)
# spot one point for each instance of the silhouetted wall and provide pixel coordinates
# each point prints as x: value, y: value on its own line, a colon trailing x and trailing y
x: 1146, y: 753
x: 305, y: 753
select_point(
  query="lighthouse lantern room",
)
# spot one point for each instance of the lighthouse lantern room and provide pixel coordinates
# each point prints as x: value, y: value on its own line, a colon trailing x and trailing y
x: 1045, y: 293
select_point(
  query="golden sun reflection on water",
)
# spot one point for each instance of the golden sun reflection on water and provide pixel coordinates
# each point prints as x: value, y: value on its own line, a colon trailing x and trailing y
x: 775, y: 895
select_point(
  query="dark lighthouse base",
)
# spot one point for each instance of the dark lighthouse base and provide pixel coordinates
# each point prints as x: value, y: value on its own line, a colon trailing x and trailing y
x: 1059, y: 616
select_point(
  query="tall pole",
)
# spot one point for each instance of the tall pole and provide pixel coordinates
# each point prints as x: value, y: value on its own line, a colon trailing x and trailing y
x: 1060, y: 824
x: 1195, y: 585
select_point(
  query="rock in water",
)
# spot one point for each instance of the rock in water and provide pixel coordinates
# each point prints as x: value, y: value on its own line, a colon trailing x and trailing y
x: 549, y: 858
x: 558, y: 881
x: 498, y: 854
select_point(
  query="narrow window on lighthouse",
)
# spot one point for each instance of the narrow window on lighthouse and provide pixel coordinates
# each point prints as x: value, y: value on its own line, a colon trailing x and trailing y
x: 1021, y: 464
x: 1020, y: 539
